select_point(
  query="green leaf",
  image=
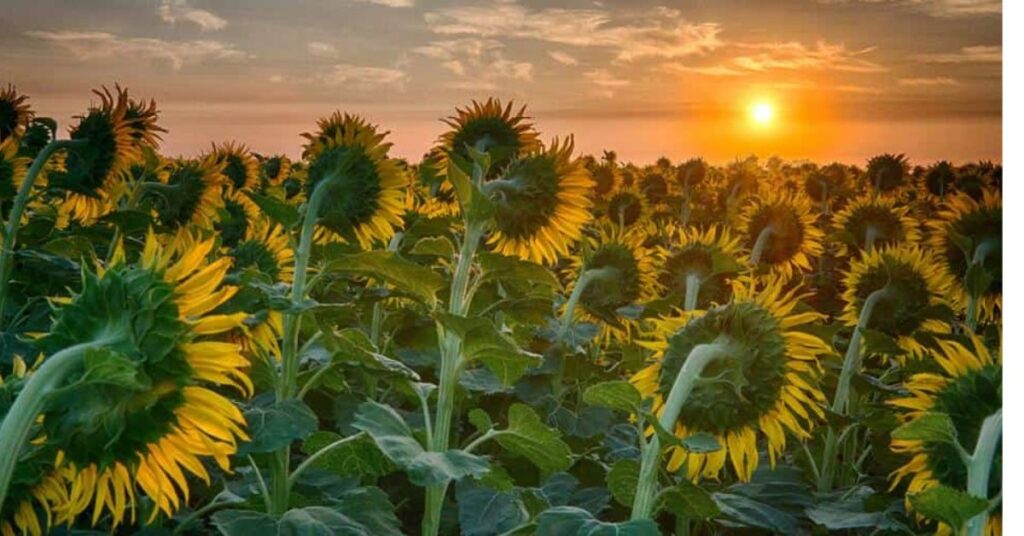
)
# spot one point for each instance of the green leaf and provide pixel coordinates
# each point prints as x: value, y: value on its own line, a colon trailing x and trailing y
x: 371, y: 508
x: 950, y: 506
x: 419, y: 281
x: 475, y: 205
x: 497, y: 267
x: 437, y: 246
x: 353, y: 345
x: 977, y: 280
x: 527, y: 436
x: 75, y: 247
x: 480, y: 420
x: 622, y: 480
x: 688, y: 500
x: 572, y: 521
x: 357, y: 457
x: 277, y: 425
x: 751, y: 513
x: 243, y: 523
x: 482, y: 341
x: 928, y: 427
x: 431, y: 468
x: 389, y: 432
x: 848, y: 509
x: 619, y: 395
x: 484, y: 511
x: 283, y: 213
x: 318, y: 521
x: 701, y: 443
x: 877, y: 342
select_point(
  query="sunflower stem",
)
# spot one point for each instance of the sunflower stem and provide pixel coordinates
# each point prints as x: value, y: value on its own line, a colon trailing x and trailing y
x: 980, y: 467
x: 762, y: 242
x: 378, y: 308
x: 584, y: 281
x: 871, y: 235
x: 692, y: 292
x: 308, y: 462
x: 647, y: 487
x: 17, y: 425
x: 10, y: 230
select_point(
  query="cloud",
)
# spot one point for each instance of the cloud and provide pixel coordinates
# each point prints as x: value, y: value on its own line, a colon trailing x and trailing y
x: 928, y: 82
x: 797, y: 56
x: 321, y: 49
x: 172, y: 11
x: 660, y: 32
x: 606, y: 82
x: 390, y: 3
x: 99, y: 45
x: 275, y: 78
x: 972, y: 54
x: 479, y: 64
x: 361, y: 77
x: 562, y: 57
x: 938, y: 8
x: 710, y: 70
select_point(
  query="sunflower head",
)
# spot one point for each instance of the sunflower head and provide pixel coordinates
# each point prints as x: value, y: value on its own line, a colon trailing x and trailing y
x: 626, y: 207
x: 827, y: 181
x: 787, y: 228
x: 142, y: 118
x: 691, y: 173
x: 12, y: 168
x: 192, y: 193
x: 15, y: 114
x: 276, y: 169
x: 488, y: 127
x: 142, y: 408
x: 968, y: 387
x: 939, y: 180
x: 654, y: 187
x: 765, y: 378
x: 540, y: 204
x: 607, y: 177
x: 107, y: 147
x: 878, y: 220
x: 711, y: 255
x: 240, y: 168
x: 365, y: 198
x: 887, y: 172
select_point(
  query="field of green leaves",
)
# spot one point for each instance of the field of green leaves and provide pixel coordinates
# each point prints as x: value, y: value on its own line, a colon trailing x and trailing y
x: 507, y: 337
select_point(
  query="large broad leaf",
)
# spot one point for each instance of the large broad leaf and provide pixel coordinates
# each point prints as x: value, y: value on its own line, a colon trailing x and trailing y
x: 279, y: 211
x: 355, y: 458
x: 403, y: 274
x: 688, y: 500
x: 619, y: 395
x: 371, y: 508
x: 430, y: 468
x: 751, y: 513
x: 475, y: 204
x: 572, y: 521
x: 952, y: 507
x: 482, y: 341
x: 847, y: 509
x: 503, y: 268
x: 528, y: 436
x: 353, y: 345
x: 928, y: 427
x: 622, y: 481
x: 277, y: 425
x: 484, y: 511
x: 311, y: 521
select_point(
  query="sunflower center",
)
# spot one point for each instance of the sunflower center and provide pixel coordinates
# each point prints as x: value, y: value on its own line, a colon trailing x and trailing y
x: 525, y: 201
x: 140, y: 376
x: 787, y: 233
x: 899, y: 313
x: 235, y: 170
x: 354, y: 196
x: 981, y: 226
x: 968, y: 400
x: 625, y: 209
x: 89, y: 165
x: 255, y: 254
x: 604, y: 295
x: 738, y: 389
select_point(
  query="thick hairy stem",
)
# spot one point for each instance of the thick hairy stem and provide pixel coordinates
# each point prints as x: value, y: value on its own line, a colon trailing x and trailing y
x: 871, y: 235
x: 825, y: 209
x: 18, y: 209
x: 17, y: 425
x: 586, y: 278
x: 762, y: 242
x: 692, y: 292
x: 377, y: 320
x: 647, y: 486
x: 980, y: 467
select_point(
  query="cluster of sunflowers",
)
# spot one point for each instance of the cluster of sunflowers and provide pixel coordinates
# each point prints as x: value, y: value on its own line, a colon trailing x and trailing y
x: 506, y: 338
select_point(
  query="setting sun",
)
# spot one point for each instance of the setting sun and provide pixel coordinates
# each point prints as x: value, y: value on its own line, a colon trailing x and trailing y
x: 762, y: 113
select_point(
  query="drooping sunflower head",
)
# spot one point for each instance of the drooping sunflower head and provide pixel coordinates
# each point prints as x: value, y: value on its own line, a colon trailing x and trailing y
x: 967, y: 231
x: 631, y: 277
x: 915, y: 285
x: 938, y: 181
x: 236, y: 216
x: 887, y: 172
x: 765, y: 378
x: 12, y: 168
x: 654, y: 188
x: 433, y: 196
x: 691, y: 173
x: 91, y: 172
x: 143, y: 411
x: 541, y: 204
x: 142, y: 118
x: 786, y: 227
x: 276, y: 169
x: 626, y: 207
x: 607, y: 177
x: 488, y: 127
x: 968, y: 388
x: 190, y: 195
x: 240, y: 167
x: 365, y: 198
x: 15, y: 114
x: 712, y: 256
x: 875, y: 220
x: 265, y: 248
x: 825, y: 182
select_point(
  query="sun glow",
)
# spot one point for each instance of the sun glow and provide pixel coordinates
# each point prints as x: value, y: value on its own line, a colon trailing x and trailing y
x: 762, y: 113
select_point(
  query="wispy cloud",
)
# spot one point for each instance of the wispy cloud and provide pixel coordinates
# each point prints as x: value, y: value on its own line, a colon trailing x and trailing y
x: 173, y: 11
x: 98, y: 45
x: 710, y: 70
x: 938, y: 8
x: 321, y: 49
x: 562, y: 57
x: 390, y: 3
x: 928, y: 81
x: 362, y: 77
x: 606, y: 82
x: 972, y: 54
x: 796, y: 56
x: 479, y: 64
x: 661, y: 32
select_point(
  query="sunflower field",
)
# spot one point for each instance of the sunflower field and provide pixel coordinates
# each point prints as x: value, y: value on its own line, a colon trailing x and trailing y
x: 506, y: 337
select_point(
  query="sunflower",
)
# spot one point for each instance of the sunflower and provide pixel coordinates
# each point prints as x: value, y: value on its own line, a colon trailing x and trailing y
x: 15, y: 114
x: 607, y: 177
x: 237, y: 215
x: 626, y: 207
x: 710, y: 256
x: 541, y: 204
x: 276, y: 169
x: 631, y: 271
x: 766, y: 382
x: 781, y: 232
x: 239, y: 166
x: 162, y: 416
x: 915, y: 285
x: 690, y: 174
x: 887, y: 172
x: 872, y: 221
x: 13, y: 168
x: 142, y: 117
x: 366, y: 201
x: 488, y: 127
x: 825, y: 183
x: 92, y: 174
x: 190, y: 193
x: 968, y: 388
x: 654, y: 187
x: 938, y: 181
x: 963, y: 222
x: 431, y: 195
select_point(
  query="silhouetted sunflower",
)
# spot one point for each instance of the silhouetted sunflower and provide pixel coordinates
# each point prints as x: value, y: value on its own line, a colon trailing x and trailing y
x: 872, y: 221
x: 15, y: 114
x: 488, y: 127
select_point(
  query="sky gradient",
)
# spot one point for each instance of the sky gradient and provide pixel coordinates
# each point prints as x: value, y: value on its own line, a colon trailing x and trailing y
x: 847, y: 78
